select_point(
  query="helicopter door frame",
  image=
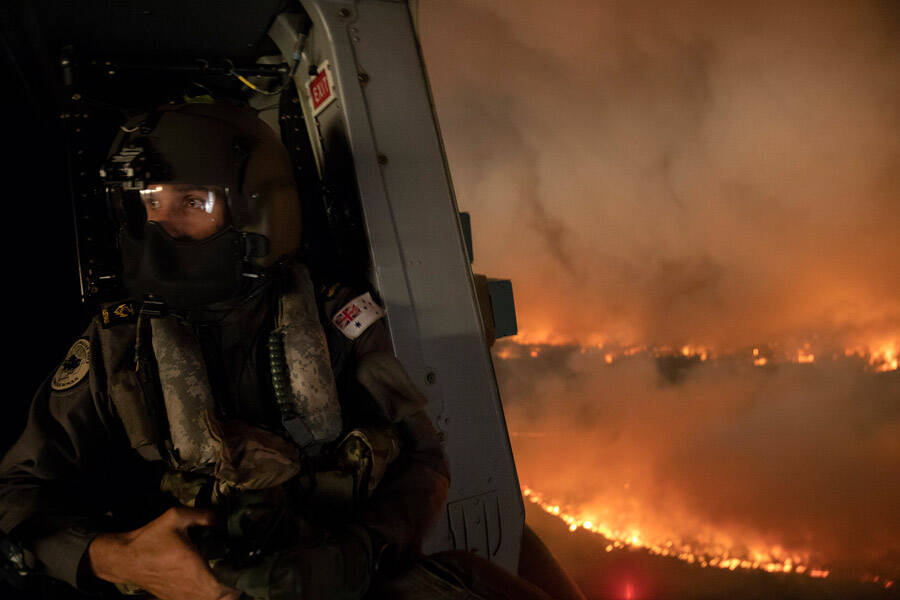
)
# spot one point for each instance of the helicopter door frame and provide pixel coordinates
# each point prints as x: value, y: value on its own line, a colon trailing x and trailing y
x: 420, y: 266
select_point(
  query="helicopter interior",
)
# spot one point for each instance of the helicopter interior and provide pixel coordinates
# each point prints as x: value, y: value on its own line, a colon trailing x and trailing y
x: 88, y: 66
x: 76, y: 71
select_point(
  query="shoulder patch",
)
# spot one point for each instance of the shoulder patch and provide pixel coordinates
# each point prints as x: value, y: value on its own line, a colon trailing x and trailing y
x: 117, y: 313
x: 74, y: 367
x: 357, y: 315
x: 329, y: 290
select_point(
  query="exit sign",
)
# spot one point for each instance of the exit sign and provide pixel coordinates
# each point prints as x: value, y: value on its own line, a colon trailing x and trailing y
x: 321, y: 88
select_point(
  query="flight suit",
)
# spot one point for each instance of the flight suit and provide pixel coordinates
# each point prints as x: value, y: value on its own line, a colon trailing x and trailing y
x: 79, y: 468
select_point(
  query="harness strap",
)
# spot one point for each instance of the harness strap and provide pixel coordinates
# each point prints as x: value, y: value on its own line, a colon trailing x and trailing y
x: 125, y: 390
x: 301, y: 375
x: 186, y: 393
x: 301, y: 368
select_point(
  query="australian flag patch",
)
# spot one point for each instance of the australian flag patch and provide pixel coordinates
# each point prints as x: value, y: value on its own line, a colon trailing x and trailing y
x: 357, y: 315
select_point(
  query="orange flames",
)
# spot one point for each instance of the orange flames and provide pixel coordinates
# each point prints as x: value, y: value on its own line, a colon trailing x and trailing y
x: 772, y: 560
x: 881, y: 357
x: 713, y: 549
x: 690, y: 352
x: 701, y: 545
x: 759, y: 360
x: 804, y: 356
x: 877, y: 357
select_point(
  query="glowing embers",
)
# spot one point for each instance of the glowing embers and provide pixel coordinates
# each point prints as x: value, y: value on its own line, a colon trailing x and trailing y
x: 758, y: 359
x: 878, y: 579
x: 772, y: 560
x: 805, y: 355
x: 504, y: 353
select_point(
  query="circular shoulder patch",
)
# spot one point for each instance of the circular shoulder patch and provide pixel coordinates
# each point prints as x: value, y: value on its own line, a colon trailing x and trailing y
x: 76, y: 365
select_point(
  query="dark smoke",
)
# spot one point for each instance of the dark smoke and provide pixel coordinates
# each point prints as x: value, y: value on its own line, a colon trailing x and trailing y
x: 722, y: 174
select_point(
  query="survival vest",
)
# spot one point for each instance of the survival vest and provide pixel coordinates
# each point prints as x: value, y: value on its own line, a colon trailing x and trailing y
x: 303, y: 380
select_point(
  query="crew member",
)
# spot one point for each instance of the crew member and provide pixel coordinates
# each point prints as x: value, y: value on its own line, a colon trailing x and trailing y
x: 240, y: 424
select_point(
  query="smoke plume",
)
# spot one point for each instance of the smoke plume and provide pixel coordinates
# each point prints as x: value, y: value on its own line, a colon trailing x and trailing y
x: 722, y: 175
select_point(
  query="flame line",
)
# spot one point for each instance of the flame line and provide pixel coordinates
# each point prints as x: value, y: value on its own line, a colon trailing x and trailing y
x: 878, y: 358
x: 684, y: 552
x: 620, y: 540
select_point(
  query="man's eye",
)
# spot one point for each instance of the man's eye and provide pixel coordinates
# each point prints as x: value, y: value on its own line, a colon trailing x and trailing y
x: 194, y: 202
x: 151, y: 202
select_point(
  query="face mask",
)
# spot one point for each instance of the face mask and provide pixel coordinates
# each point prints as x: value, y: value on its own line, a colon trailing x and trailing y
x: 187, y: 274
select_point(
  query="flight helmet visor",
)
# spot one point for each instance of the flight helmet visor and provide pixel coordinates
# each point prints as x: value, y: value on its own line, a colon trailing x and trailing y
x: 185, y: 211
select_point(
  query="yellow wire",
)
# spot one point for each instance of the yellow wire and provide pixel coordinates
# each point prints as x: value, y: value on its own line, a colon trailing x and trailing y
x: 246, y: 82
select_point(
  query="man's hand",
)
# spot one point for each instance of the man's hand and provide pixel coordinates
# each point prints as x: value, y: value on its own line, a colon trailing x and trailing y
x: 160, y: 558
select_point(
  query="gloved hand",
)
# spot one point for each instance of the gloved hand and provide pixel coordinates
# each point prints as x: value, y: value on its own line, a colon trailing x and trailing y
x: 338, y: 568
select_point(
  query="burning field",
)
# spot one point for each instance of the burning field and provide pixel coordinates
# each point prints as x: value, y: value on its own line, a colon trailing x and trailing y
x: 697, y: 204
x: 787, y: 467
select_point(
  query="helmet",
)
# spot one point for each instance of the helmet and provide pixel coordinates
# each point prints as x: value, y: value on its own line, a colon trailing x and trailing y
x: 204, y: 198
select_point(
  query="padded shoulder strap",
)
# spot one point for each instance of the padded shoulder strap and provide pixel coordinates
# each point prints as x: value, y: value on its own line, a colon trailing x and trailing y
x: 125, y: 391
x: 186, y: 392
x: 304, y: 385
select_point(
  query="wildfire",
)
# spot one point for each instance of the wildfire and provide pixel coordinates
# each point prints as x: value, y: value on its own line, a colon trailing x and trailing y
x: 880, y: 357
x: 759, y: 360
x: 626, y: 522
x: 883, y: 358
x: 805, y: 356
x: 772, y: 560
x: 692, y: 352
